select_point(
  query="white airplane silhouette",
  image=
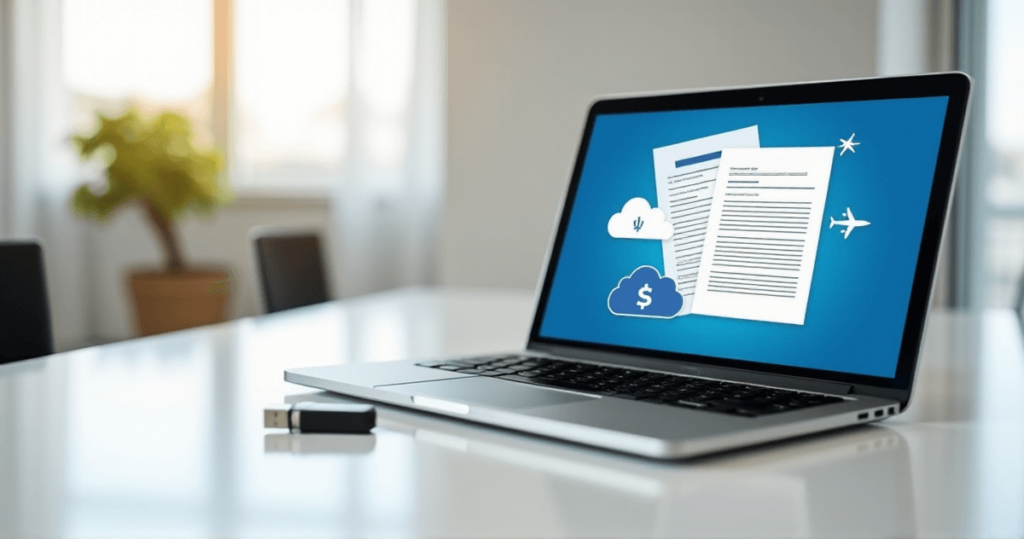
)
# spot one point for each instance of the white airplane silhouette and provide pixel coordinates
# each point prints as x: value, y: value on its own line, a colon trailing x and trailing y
x: 850, y: 223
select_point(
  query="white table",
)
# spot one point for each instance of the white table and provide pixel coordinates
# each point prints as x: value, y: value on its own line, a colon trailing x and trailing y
x: 162, y: 437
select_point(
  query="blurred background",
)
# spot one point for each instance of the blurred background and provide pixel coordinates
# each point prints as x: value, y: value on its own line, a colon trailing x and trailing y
x: 429, y: 142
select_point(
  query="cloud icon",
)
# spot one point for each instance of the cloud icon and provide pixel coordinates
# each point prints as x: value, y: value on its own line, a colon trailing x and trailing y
x: 639, y: 221
x: 645, y: 293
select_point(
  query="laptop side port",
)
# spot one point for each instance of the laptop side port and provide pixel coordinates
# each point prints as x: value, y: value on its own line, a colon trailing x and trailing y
x: 862, y: 416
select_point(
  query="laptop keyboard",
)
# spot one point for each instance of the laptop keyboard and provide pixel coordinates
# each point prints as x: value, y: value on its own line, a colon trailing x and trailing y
x: 633, y: 384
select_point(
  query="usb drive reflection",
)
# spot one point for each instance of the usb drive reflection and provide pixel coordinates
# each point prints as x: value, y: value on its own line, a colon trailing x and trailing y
x: 319, y: 444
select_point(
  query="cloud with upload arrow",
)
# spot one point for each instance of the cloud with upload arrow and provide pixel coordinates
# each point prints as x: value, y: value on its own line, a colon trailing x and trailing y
x: 639, y: 221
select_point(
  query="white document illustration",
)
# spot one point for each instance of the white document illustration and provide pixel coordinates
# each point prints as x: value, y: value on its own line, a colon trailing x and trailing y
x: 762, y: 234
x: 685, y: 176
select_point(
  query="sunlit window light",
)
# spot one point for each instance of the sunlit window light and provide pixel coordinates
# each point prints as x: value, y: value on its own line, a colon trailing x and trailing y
x: 144, y: 49
x: 388, y: 35
x: 1002, y: 228
x: 150, y: 54
x: 1006, y: 76
x: 291, y: 85
x: 385, y: 70
x: 292, y: 65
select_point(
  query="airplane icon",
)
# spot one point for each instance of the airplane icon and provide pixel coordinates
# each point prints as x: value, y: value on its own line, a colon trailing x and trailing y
x: 850, y: 223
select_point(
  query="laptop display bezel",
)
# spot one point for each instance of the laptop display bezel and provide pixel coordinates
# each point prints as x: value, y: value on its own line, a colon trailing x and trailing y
x: 954, y: 86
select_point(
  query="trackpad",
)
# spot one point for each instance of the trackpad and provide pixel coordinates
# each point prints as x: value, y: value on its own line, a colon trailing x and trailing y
x: 488, y: 392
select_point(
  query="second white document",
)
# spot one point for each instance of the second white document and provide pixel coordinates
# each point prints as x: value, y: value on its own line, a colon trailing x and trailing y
x: 762, y: 233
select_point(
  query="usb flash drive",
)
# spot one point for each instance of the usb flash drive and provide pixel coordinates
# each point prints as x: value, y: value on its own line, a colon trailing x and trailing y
x: 321, y: 417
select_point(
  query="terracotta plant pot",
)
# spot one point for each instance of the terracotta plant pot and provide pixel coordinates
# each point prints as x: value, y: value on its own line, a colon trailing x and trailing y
x: 172, y: 301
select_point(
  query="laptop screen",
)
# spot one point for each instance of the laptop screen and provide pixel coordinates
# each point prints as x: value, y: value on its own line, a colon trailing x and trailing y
x: 784, y: 234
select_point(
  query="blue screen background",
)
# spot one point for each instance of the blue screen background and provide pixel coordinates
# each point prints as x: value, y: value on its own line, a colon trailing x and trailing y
x: 861, y: 286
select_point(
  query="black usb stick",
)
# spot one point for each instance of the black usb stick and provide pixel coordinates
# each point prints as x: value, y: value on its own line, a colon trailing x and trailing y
x: 321, y: 417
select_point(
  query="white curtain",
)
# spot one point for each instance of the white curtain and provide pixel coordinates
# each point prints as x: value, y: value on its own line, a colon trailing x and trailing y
x: 386, y: 207
x: 37, y: 163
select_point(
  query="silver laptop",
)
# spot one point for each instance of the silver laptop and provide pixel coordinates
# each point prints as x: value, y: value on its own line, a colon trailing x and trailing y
x: 730, y: 267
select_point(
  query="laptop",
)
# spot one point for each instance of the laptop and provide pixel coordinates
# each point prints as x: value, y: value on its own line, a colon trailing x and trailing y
x: 730, y: 267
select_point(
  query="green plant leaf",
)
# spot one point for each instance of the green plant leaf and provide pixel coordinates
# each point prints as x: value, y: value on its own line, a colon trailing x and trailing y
x: 151, y: 161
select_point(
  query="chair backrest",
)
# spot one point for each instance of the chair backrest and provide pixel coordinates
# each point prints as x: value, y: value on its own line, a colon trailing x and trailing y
x: 24, y: 307
x: 291, y: 270
x: 1018, y: 300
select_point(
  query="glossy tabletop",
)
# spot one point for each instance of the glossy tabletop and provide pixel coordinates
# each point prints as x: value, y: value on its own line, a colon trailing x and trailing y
x: 163, y: 437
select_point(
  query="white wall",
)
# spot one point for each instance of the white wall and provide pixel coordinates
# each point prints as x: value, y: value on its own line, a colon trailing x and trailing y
x: 521, y: 74
x: 126, y: 242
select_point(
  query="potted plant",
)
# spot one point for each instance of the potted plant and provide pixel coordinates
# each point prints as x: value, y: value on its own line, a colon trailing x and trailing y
x: 154, y: 164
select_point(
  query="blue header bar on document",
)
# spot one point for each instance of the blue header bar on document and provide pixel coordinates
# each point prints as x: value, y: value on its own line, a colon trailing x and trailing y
x: 698, y: 159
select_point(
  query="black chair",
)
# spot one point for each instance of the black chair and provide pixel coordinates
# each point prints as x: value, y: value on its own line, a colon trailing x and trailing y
x: 24, y: 306
x: 291, y: 270
x: 1018, y: 301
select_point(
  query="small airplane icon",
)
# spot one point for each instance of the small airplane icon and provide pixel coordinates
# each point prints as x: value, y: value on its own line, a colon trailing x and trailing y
x: 848, y: 144
x: 850, y: 223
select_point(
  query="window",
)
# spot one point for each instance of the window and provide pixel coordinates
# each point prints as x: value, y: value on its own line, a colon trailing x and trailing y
x: 291, y: 73
x: 151, y: 54
x: 291, y: 84
x: 1002, y: 195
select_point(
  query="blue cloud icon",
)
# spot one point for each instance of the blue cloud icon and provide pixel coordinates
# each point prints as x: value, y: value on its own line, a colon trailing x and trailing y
x: 645, y: 293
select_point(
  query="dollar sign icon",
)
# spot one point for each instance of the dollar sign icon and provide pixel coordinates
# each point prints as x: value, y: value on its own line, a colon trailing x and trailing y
x: 645, y: 298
